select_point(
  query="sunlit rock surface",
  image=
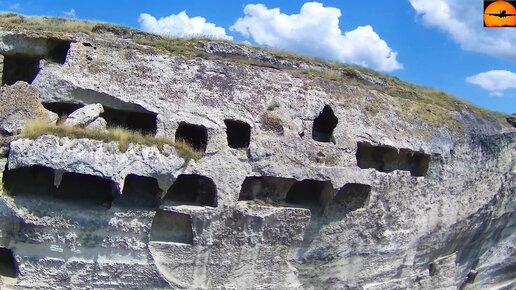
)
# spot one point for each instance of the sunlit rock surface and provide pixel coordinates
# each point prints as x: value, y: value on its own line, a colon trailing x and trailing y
x: 305, y: 182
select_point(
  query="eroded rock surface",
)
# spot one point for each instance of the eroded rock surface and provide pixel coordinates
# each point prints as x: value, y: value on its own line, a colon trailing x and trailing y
x: 304, y: 183
x: 20, y: 103
x: 85, y: 116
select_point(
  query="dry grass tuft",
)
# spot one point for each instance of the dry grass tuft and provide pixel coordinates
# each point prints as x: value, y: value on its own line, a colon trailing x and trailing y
x: 271, y: 122
x: 122, y: 136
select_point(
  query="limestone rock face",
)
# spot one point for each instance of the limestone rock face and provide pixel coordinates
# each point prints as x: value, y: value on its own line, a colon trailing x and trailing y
x: 85, y: 116
x: 310, y: 177
x: 99, y: 124
x: 20, y: 103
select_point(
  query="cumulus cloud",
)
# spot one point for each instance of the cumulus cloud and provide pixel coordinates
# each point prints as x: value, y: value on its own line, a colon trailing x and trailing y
x: 495, y: 81
x: 462, y: 21
x: 69, y: 14
x: 181, y: 25
x: 315, y: 31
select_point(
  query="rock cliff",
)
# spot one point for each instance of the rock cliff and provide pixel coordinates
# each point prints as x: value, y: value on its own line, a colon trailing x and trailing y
x: 310, y: 176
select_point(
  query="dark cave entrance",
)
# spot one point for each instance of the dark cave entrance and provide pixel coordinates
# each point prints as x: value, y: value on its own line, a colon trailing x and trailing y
x: 381, y: 158
x: 19, y: 67
x: 144, y: 122
x: 324, y: 124
x: 25, y: 67
x: 8, y: 264
x: 310, y: 194
x: 86, y: 188
x: 194, y: 135
x: 193, y: 189
x: 139, y: 192
x: 267, y: 188
x: 415, y: 162
x: 59, y: 51
x: 387, y: 159
x: 239, y: 133
x: 353, y: 196
x: 172, y: 227
x: 33, y: 180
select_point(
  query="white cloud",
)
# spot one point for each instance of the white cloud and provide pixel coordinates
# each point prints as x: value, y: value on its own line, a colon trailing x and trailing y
x: 69, y: 14
x: 496, y: 94
x: 15, y: 6
x: 495, y: 81
x: 315, y: 31
x: 181, y: 25
x: 462, y: 20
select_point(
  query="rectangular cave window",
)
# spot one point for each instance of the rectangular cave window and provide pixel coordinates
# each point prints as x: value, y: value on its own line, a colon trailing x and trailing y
x: 58, y: 49
x: 62, y: 108
x: 84, y: 188
x: 144, y: 122
x: 194, y: 135
x: 415, y: 162
x: 238, y: 133
x: 19, y: 68
x: 193, y: 189
x: 387, y: 159
x: 33, y: 180
x: 324, y: 124
x: 172, y: 227
x: 139, y: 192
x: 266, y: 188
x: 353, y: 196
x: 8, y: 264
x: 310, y: 194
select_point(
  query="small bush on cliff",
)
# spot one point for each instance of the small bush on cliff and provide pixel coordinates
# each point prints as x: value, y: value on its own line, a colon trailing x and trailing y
x: 122, y: 136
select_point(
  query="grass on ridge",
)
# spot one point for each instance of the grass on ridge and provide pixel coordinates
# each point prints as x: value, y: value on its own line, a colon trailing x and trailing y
x: 52, y: 24
x: 122, y: 136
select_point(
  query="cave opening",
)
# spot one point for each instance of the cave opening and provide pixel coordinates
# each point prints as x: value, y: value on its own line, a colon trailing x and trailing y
x: 194, y: 135
x: 193, y: 189
x: 311, y: 194
x: 265, y: 188
x: 139, y: 192
x: 8, y: 264
x: 172, y: 227
x: 144, y: 122
x: 415, y: 162
x: 19, y: 67
x: 387, y: 159
x: 59, y: 50
x: 353, y: 196
x: 238, y: 133
x: 86, y: 188
x: 381, y: 158
x: 32, y: 180
x: 324, y: 124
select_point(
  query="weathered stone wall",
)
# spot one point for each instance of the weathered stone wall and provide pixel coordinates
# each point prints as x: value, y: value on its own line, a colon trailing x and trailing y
x: 435, y: 203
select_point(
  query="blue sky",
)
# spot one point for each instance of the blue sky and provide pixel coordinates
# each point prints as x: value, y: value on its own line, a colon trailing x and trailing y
x: 438, y: 43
